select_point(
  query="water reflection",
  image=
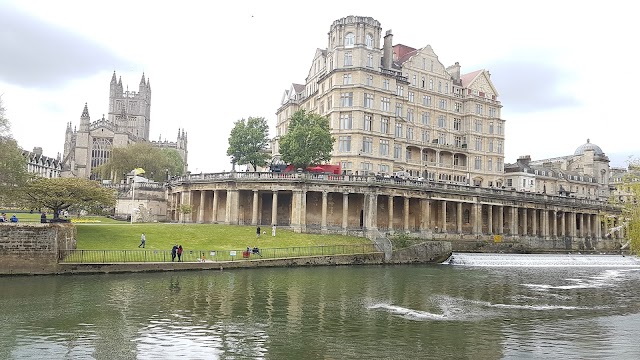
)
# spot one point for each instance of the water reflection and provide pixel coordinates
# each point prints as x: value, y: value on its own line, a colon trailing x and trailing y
x: 344, y: 312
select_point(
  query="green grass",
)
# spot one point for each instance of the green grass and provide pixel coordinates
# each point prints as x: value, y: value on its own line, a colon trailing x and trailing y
x: 160, y: 236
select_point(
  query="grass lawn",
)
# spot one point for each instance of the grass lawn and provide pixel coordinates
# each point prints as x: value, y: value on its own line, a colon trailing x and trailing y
x: 161, y: 236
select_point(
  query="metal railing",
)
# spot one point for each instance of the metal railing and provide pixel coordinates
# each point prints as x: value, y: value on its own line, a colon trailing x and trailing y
x: 151, y: 256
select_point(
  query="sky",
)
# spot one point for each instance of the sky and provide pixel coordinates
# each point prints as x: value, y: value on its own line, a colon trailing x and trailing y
x: 562, y: 69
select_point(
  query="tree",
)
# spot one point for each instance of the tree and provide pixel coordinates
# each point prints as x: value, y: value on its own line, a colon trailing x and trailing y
x: 13, y: 170
x: 185, y: 209
x: 308, y: 140
x: 247, y: 142
x: 58, y: 194
x: 155, y: 161
x: 628, y: 197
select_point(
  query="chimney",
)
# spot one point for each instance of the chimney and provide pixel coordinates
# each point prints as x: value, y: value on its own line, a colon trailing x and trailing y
x: 387, y: 50
x: 454, y: 70
x: 524, y: 160
x: 37, y: 151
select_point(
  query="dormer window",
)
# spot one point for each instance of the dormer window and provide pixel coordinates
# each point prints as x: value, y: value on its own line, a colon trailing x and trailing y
x: 368, y: 42
x: 349, y: 40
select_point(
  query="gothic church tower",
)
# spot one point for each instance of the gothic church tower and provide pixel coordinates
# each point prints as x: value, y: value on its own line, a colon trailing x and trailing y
x: 130, y: 111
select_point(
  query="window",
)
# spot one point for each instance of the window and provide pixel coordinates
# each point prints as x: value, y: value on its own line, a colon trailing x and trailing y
x: 410, y: 115
x: 423, y: 82
x: 368, y: 122
x: 426, y: 118
x: 346, y: 99
x: 457, y: 107
x: 492, y: 112
x: 384, y: 147
x: 397, y: 152
x: 479, y: 109
x: 407, y: 154
x: 478, y: 163
x: 430, y: 84
x: 499, y: 147
x: 369, y: 60
x: 410, y: 96
x: 368, y: 100
x: 385, y: 104
x: 425, y: 136
x: 491, y: 127
x: 426, y: 100
x: 457, y: 141
x: 321, y: 108
x: 384, y: 125
x: 490, y: 145
x: 385, y: 84
x: 348, y: 59
x: 499, y: 128
x: 369, y: 80
x: 344, y: 144
x: 456, y: 160
x: 100, y: 151
x: 443, y: 104
x: 346, y: 165
x: 349, y: 40
x: 399, y: 110
x: 442, y: 121
x: 346, y: 79
x: 442, y: 138
x: 478, y: 125
x: 439, y: 86
x: 509, y: 182
x: 409, y: 133
x: 398, y: 130
x: 478, y: 143
x: 499, y: 167
x: 424, y: 64
x: 446, y: 88
x: 346, y: 121
x: 400, y: 90
x: 384, y: 168
x: 457, y: 124
x: 413, y: 80
x: 368, y: 41
x: 367, y: 145
x: 367, y: 166
x: 329, y: 103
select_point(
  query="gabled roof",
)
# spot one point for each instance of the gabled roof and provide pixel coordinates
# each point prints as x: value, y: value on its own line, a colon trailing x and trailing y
x: 298, y: 88
x: 467, y: 79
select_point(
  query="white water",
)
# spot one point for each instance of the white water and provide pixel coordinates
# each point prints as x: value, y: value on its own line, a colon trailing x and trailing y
x: 542, y: 260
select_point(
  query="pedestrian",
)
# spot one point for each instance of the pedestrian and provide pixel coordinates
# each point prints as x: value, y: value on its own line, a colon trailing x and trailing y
x: 143, y: 240
x: 14, y: 218
x: 180, y: 253
x: 174, y: 251
x: 43, y: 217
x: 273, y: 230
x: 258, y: 231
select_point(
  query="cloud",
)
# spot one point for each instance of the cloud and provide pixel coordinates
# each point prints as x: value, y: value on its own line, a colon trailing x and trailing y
x: 527, y: 86
x: 41, y: 55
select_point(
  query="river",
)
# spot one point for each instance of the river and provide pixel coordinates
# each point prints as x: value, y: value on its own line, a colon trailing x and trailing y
x: 506, y: 307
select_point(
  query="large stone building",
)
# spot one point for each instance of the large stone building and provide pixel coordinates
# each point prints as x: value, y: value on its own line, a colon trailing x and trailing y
x: 128, y: 122
x: 41, y: 165
x: 394, y: 107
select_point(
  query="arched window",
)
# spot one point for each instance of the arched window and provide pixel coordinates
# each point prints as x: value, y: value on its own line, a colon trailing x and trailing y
x: 349, y: 40
x: 100, y: 151
x: 368, y: 41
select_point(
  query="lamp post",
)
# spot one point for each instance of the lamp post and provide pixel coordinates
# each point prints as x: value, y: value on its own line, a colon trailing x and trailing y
x: 133, y: 196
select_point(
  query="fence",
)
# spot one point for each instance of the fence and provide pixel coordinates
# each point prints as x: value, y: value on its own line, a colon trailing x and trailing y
x: 125, y: 256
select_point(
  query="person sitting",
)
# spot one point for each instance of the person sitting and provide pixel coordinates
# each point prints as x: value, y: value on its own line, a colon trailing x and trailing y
x: 256, y: 251
x: 14, y: 218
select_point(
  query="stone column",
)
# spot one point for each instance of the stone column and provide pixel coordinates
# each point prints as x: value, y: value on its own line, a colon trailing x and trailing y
x: 254, y: 209
x: 589, y: 226
x: 514, y: 221
x: 554, y: 213
x: 274, y: 208
x: 215, y: 206
x: 501, y: 220
x: 490, y: 219
x: 370, y: 212
x: 201, y: 207
x: 443, y: 216
x: 323, y: 222
x: 425, y: 210
x: 296, y: 210
x: 390, y: 200
x: 459, y: 218
x: 231, y: 216
x: 180, y: 214
x: 563, y: 223
x: 525, y: 223
x: 534, y: 222
x: 345, y: 211
x: 583, y: 224
x: 544, y: 232
x: 598, y: 225
x: 405, y: 214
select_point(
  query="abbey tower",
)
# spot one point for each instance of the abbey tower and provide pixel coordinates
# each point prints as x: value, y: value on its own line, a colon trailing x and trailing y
x: 127, y: 123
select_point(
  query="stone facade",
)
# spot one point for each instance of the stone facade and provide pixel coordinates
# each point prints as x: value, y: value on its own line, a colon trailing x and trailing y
x: 128, y: 122
x: 43, y: 166
x: 147, y: 204
x: 366, y: 206
x: 394, y: 107
x: 33, y: 248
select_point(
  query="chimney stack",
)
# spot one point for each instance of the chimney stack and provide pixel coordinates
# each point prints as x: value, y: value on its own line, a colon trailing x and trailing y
x: 387, y: 50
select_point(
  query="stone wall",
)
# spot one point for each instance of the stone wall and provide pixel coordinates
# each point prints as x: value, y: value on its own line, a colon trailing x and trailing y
x: 426, y: 252
x: 33, y: 248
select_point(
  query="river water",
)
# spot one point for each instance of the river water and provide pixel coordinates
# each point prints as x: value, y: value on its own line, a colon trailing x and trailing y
x: 475, y: 308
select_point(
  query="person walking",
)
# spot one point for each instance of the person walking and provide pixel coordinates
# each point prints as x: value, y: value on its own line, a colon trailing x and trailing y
x: 273, y: 230
x: 143, y: 240
x: 174, y: 251
x: 258, y: 231
x: 180, y: 253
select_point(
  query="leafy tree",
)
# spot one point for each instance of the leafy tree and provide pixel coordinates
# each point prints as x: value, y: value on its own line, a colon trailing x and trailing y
x: 13, y: 171
x: 308, y: 140
x: 247, y: 142
x: 185, y: 209
x: 629, y: 198
x: 155, y: 161
x: 59, y: 194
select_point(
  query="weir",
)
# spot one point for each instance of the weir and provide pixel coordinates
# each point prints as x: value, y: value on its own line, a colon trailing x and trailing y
x: 541, y: 260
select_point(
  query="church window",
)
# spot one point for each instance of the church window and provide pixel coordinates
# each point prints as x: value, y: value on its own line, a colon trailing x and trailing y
x: 369, y: 41
x: 100, y: 151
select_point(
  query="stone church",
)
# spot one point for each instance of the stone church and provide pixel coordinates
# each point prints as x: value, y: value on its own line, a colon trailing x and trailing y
x: 127, y: 123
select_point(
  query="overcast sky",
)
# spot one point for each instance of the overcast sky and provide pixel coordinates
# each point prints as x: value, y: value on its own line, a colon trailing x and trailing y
x: 563, y: 72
